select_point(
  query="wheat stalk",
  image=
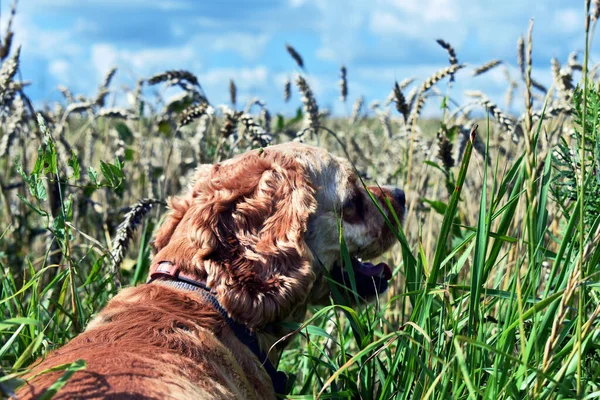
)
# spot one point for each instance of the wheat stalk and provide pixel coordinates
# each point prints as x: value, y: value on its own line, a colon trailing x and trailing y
x: 232, y: 92
x: 192, y: 113
x: 428, y: 84
x: 401, y: 105
x: 562, y: 313
x: 295, y: 55
x: 103, y: 89
x: 521, y: 55
x: 445, y: 151
x: 563, y: 81
x: 451, y: 52
x: 572, y: 62
x: 116, y: 112
x: 77, y: 108
x: 505, y: 121
x: 66, y: 93
x: 265, y: 115
x: 174, y: 77
x: 8, y: 36
x: 357, y: 110
x: 311, y: 109
x: 229, y: 127
x: 259, y: 135
x: 538, y: 86
x: 486, y: 67
x: 287, y: 90
x: 384, y: 120
x: 125, y: 231
x: 13, y: 127
x: 343, y: 84
x: 7, y: 73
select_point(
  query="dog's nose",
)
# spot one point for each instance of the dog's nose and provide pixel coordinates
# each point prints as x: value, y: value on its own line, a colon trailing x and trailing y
x: 398, y: 195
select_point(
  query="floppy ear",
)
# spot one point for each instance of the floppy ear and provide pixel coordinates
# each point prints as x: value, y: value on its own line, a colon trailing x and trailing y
x: 248, y: 223
x: 178, y: 206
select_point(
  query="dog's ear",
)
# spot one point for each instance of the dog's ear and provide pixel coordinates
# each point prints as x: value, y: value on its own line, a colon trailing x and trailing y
x: 248, y: 223
x: 178, y: 206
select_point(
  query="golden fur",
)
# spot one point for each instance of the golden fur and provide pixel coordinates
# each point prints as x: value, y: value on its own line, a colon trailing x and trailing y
x: 258, y: 229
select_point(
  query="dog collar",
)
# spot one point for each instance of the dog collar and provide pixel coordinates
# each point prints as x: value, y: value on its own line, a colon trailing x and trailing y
x: 169, y: 274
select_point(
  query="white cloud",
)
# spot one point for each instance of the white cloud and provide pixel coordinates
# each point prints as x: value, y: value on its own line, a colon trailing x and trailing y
x: 60, y: 70
x: 568, y: 20
x: 385, y: 23
x: 104, y: 57
x: 165, y: 5
x: 246, y: 45
x: 245, y: 78
x: 143, y: 62
x: 427, y: 10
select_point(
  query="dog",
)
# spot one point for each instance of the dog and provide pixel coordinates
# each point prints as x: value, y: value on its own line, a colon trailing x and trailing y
x: 251, y: 243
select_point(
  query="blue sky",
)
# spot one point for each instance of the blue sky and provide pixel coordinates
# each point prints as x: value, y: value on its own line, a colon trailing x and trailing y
x: 74, y: 43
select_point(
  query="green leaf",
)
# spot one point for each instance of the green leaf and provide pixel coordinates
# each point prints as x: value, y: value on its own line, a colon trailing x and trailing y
x: 40, y: 190
x: 165, y: 128
x: 39, y: 162
x: 93, y: 175
x: 279, y: 123
x: 59, y: 227
x: 438, y: 206
x: 50, y: 159
x: 34, y: 208
x: 73, y: 162
x: 444, y: 103
x: 112, y: 173
x: 124, y: 132
x: 12, y: 322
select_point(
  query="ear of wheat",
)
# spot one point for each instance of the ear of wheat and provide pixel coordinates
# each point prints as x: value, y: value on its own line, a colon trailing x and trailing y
x: 125, y: 231
x: 428, y: 84
x: 521, y: 54
x: 445, y: 150
x: 7, y: 73
x: 287, y: 90
x: 175, y: 77
x: 229, y: 127
x: 192, y: 113
x: 256, y: 132
x: 343, y: 84
x: 6, y: 44
x: 103, y: 89
x: 507, y: 123
x: 357, y: 110
x: 486, y: 67
x: 232, y: 92
x: 451, y: 52
x: 295, y: 55
x: 311, y: 109
x: 117, y: 112
x: 401, y: 105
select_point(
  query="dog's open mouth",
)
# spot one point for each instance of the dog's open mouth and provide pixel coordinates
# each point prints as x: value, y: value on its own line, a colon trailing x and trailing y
x: 371, y: 279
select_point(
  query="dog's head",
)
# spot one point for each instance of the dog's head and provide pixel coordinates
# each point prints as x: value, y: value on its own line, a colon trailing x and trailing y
x: 263, y: 231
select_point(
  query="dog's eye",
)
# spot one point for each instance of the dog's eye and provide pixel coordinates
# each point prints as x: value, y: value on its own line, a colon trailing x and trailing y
x: 352, y: 209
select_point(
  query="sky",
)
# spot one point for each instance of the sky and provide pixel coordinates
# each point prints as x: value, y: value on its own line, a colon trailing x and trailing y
x: 75, y: 42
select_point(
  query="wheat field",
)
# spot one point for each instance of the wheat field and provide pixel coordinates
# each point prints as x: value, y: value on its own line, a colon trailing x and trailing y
x: 495, y: 288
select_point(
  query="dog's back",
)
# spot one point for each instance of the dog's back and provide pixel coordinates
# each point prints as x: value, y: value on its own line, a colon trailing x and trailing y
x: 154, y: 342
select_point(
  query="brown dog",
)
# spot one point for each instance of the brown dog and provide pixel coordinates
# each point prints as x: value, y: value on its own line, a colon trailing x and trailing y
x: 249, y: 245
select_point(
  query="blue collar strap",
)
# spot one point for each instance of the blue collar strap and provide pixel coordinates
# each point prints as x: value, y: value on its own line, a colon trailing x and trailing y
x: 243, y: 334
